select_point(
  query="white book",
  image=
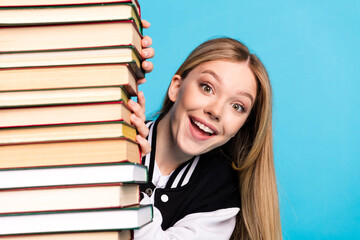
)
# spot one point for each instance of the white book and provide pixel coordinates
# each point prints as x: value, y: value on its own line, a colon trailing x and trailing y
x: 70, y: 175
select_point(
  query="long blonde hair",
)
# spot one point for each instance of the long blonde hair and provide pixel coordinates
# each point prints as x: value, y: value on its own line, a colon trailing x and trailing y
x: 251, y: 149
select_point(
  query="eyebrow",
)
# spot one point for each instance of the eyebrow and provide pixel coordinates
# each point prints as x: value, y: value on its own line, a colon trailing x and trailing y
x: 220, y: 80
x: 217, y: 77
x: 247, y: 95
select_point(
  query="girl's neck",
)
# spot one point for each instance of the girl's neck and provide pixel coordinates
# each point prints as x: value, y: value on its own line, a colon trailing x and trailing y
x: 167, y: 156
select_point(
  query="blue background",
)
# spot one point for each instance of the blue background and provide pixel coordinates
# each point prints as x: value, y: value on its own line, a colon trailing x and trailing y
x: 311, y: 51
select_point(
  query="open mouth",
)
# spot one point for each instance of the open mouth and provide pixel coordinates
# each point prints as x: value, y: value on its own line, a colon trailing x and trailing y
x: 202, y: 127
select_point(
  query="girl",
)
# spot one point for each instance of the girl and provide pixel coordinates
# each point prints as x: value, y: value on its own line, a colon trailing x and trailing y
x: 211, y: 170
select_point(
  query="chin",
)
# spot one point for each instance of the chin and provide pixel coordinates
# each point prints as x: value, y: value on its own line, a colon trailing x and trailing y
x: 194, y: 150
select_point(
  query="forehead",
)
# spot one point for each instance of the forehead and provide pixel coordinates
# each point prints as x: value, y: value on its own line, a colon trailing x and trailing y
x: 226, y: 66
x: 236, y: 75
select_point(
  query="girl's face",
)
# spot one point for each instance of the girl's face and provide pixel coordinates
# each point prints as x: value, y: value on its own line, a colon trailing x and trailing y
x: 210, y: 105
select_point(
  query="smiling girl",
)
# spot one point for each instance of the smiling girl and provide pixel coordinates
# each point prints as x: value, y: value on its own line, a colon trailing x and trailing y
x: 211, y: 169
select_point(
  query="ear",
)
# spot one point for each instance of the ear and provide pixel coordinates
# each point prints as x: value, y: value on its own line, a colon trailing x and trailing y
x: 174, y: 88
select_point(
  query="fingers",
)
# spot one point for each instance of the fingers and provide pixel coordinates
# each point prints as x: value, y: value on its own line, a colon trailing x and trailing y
x: 146, y: 41
x: 144, y: 145
x: 147, y: 52
x: 137, y: 118
x: 137, y: 110
x: 145, y: 23
x: 147, y: 66
x: 141, y: 81
x: 140, y: 125
x: 141, y: 100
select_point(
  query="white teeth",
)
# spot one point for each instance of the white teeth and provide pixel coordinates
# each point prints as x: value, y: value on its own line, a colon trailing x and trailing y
x: 203, y: 127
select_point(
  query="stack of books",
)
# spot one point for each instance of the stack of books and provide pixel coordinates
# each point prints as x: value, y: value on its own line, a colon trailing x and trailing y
x: 69, y: 163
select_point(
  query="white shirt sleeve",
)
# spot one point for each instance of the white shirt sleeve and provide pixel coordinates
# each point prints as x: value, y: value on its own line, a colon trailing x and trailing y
x: 206, y: 225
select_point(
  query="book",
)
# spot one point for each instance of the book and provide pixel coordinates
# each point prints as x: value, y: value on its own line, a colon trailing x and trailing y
x: 73, y: 197
x: 51, y: 14
x: 34, y: 3
x: 103, y: 235
x: 78, y: 76
x: 62, y: 132
x: 64, y: 114
x: 69, y: 36
x: 81, y: 220
x: 72, y: 175
x: 83, y: 56
x: 92, y: 151
x: 62, y: 96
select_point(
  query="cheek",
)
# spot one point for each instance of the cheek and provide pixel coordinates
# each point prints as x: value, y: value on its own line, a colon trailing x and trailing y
x: 190, y: 98
x: 232, y: 126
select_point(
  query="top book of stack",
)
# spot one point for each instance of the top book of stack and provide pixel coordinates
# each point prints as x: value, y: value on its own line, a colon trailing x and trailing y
x: 46, y: 12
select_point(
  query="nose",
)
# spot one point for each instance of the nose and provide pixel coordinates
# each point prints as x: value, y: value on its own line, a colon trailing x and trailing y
x: 214, y: 110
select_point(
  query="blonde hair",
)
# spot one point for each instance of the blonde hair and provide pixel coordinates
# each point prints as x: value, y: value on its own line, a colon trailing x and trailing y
x: 251, y: 149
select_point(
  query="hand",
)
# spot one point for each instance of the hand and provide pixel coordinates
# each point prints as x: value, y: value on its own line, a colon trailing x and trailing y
x: 137, y: 118
x: 147, y: 52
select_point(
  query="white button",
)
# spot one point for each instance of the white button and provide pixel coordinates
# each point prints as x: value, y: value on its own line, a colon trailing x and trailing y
x: 164, y: 198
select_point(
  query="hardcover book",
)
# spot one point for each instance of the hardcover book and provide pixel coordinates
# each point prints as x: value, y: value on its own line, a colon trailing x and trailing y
x: 62, y: 96
x: 65, y: 132
x: 82, y: 56
x: 68, y: 221
x: 72, y: 175
x: 52, y: 14
x: 69, y: 36
x: 75, y: 152
x: 34, y: 3
x: 71, y: 197
x: 64, y: 114
x: 77, y: 76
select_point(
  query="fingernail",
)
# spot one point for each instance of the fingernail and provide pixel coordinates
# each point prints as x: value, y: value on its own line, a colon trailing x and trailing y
x: 146, y: 43
x: 146, y: 54
x: 131, y: 102
x: 146, y: 64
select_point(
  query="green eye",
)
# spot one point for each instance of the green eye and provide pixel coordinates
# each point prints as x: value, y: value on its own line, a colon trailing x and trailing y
x: 206, y: 88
